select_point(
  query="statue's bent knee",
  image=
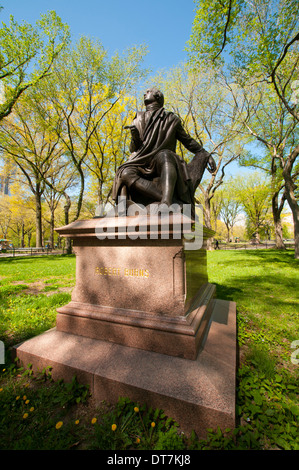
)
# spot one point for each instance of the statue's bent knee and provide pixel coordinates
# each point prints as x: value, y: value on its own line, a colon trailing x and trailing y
x: 166, y: 157
x: 129, y: 176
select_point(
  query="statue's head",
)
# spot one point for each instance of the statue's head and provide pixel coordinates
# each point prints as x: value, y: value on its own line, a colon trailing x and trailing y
x: 154, y: 95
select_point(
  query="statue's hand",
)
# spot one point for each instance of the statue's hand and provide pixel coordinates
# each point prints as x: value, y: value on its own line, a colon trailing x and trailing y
x: 211, y: 165
x: 134, y: 131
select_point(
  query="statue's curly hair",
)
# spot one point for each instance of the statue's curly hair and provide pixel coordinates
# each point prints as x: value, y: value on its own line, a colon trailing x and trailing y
x: 158, y: 95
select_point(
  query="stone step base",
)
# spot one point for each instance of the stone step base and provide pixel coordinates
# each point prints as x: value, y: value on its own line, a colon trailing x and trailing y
x: 199, y: 393
x: 179, y: 336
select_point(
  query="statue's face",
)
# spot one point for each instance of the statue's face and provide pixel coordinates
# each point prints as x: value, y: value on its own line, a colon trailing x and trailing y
x: 149, y: 96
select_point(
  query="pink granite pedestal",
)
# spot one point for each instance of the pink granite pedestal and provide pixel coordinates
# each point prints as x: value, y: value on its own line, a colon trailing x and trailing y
x: 143, y: 323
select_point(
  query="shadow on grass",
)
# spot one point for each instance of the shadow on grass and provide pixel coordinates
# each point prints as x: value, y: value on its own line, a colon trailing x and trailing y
x: 263, y: 281
x: 264, y: 256
x: 228, y: 292
x: 277, y: 291
x: 277, y: 256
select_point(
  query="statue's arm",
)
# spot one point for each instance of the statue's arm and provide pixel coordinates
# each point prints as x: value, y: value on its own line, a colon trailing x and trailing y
x: 191, y: 144
x: 136, y: 141
x: 195, y: 147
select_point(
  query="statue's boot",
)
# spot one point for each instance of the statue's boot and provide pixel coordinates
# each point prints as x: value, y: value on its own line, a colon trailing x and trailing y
x: 168, y: 180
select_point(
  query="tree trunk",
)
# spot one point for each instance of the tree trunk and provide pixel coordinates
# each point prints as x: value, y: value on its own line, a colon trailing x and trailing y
x: 296, y: 235
x: 29, y: 235
x: 18, y: 236
x: 67, y: 206
x: 207, y: 220
x: 52, y: 225
x: 22, y: 235
x: 277, y: 223
x: 295, y: 211
x: 257, y: 233
x: 290, y: 188
x: 38, y: 219
x: 278, y: 235
x: 228, y: 233
x: 80, y: 197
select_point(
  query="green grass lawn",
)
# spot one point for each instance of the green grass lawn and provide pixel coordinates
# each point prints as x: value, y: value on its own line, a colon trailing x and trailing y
x: 36, y: 413
x: 30, y: 291
x: 265, y: 286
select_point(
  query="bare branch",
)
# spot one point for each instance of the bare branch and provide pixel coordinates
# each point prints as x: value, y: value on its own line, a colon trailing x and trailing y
x: 225, y: 29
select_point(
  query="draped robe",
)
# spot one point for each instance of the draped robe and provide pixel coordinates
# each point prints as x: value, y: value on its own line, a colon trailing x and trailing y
x: 161, y: 132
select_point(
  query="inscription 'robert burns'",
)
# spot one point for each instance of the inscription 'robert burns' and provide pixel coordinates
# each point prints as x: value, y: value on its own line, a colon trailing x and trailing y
x: 127, y: 272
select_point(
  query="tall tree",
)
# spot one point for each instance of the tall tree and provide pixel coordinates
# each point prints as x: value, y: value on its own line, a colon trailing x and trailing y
x: 5, y: 215
x: 109, y: 146
x: 33, y: 149
x: 7, y: 173
x: 27, y: 54
x: 230, y: 207
x: 17, y: 213
x: 61, y: 179
x: 262, y: 39
x: 254, y: 195
x: 22, y: 208
x: 84, y: 88
x: 267, y: 123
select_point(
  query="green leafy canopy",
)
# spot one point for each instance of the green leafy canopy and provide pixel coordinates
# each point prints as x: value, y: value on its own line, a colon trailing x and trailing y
x: 26, y: 55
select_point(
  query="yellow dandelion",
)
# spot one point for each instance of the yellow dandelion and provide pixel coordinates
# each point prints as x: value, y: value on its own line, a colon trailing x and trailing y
x: 26, y: 402
x: 59, y: 424
x: 24, y: 397
x: 94, y: 420
x: 136, y: 409
x: 18, y: 397
x: 25, y: 415
x: 153, y: 424
x: 1, y: 389
x: 31, y: 409
x: 137, y: 440
x: 113, y: 427
x: 77, y: 421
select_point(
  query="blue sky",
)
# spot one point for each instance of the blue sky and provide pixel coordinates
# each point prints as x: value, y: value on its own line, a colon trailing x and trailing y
x: 163, y: 25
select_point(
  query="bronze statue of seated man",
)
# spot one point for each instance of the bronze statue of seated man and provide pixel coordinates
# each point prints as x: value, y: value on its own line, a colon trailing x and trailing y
x: 154, y: 173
